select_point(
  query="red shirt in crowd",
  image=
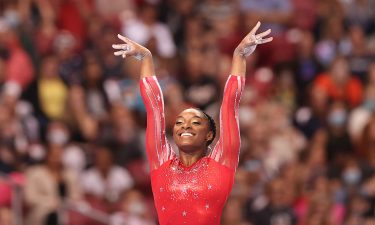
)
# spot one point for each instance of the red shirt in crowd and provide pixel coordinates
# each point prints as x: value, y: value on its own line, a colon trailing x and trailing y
x: 19, y: 67
x: 196, y: 194
x: 351, y: 92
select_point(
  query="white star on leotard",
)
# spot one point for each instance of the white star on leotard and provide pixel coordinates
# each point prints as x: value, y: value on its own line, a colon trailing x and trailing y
x: 207, y: 206
x: 209, y: 187
x: 163, y: 208
x: 184, y: 213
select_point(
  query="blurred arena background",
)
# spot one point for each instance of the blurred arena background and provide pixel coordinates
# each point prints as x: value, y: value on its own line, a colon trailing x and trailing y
x: 72, y: 122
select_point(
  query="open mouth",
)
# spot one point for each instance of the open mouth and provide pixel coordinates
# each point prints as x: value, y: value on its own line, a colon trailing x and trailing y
x: 186, y: 134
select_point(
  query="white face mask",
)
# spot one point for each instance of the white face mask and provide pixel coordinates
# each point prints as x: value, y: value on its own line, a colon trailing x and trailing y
x: 352, y: 176
x: 37, y: 152
x: 246, y: 115
x: 137, y: 208
x: 57, y: 137
x: 337, y: 118
x: 12, y: 17
x: 74, y: 158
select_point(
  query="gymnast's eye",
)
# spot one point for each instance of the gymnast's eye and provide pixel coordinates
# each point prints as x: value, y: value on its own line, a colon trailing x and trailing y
x: 196, y: 123
x: 178, y: 122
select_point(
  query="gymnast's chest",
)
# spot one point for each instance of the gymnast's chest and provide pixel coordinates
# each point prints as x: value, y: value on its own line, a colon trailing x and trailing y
x: 205, y: 180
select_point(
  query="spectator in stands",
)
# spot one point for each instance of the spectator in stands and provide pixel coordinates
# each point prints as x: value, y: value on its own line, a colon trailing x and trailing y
x: 95, y: 97
x: 105, y: 181
x: 8, y: 160
x: 117, y: 10
x: 306, y: 65
x: 361, y: 116
x: 134, y: 210
x: 232, y: 214
x: 339, y: 84
x: 5, y: 216
x: 123, y: 133
x: 274, y: 208
x: 338, y: 145
x: 144, y: 27
x: 275, y: 14
x: 325, y: 85
x: 359, y: 13
x: 49, y: 92
x: 367, y: 147
x: 355, y: 47
x: 48, y: 187
x: 15, y: 55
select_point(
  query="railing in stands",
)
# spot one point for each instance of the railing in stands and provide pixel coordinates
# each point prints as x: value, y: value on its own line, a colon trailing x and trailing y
x: 83, y: 209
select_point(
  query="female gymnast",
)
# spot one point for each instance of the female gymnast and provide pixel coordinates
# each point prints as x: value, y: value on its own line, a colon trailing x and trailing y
x: 193, y: 186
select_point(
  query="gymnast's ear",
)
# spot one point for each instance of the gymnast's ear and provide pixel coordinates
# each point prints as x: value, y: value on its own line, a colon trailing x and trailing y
x: 210, y: 136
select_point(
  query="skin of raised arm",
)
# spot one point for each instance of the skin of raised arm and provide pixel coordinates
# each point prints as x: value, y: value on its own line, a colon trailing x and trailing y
x: 147, y: 66
x: 238, y: 65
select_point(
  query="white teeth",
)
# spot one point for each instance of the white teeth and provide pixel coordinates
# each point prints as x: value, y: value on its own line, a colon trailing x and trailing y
x: 186, y: 134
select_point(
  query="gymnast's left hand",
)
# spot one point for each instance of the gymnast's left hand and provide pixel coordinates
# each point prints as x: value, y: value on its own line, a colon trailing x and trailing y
x: 130, y: 48
x: 250, y: 42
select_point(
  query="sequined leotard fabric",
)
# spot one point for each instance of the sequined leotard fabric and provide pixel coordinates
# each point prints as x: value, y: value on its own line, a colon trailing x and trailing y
x: 192, y: 195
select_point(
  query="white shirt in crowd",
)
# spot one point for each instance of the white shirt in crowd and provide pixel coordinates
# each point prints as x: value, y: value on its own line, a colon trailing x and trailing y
x: 111, y: 187
x: 138, y: 31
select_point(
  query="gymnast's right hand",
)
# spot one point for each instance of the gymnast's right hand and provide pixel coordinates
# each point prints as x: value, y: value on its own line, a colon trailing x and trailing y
x: 130, y: 48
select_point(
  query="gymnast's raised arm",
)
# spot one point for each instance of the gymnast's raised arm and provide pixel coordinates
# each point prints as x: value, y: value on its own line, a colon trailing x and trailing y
x: 227, y: 148
x: 157, y: 147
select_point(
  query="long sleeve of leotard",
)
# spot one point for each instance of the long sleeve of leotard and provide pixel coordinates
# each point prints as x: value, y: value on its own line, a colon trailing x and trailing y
x: 226, y: 150
x: 157, y: 147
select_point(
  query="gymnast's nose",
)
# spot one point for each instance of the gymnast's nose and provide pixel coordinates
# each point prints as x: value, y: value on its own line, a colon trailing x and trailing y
x: 186, y: 126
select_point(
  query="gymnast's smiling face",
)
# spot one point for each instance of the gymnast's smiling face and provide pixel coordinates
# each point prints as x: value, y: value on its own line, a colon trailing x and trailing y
x: 191, y: 131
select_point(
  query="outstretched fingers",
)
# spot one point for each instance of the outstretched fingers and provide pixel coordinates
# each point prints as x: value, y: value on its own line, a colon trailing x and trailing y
x: 130, y: 48
x: 263, y: 41
x: 255, y: 29
x: 125, y: 49
x: 118, y: 53
x: 250, y: 42
x: 121, y: 46
x: 263, y: 34
x: 124, y: 39
x: 258, y: 39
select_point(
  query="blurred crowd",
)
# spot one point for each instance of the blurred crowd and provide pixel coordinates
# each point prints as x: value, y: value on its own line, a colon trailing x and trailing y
x: 72, y: 121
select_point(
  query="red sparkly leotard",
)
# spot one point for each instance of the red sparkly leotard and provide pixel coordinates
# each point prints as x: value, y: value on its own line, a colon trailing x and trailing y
x: 192, y: 195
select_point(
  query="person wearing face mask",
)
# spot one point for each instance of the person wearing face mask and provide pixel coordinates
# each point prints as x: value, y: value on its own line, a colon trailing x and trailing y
x: 105, y: 181
x: 47, y: 187
x: 352, y: 174
x: 73, y: 156
x: 134, y: 210
x: 191, y: 187
x: 339, y: 85
x: 57, y: 134
x: 338, y: 145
